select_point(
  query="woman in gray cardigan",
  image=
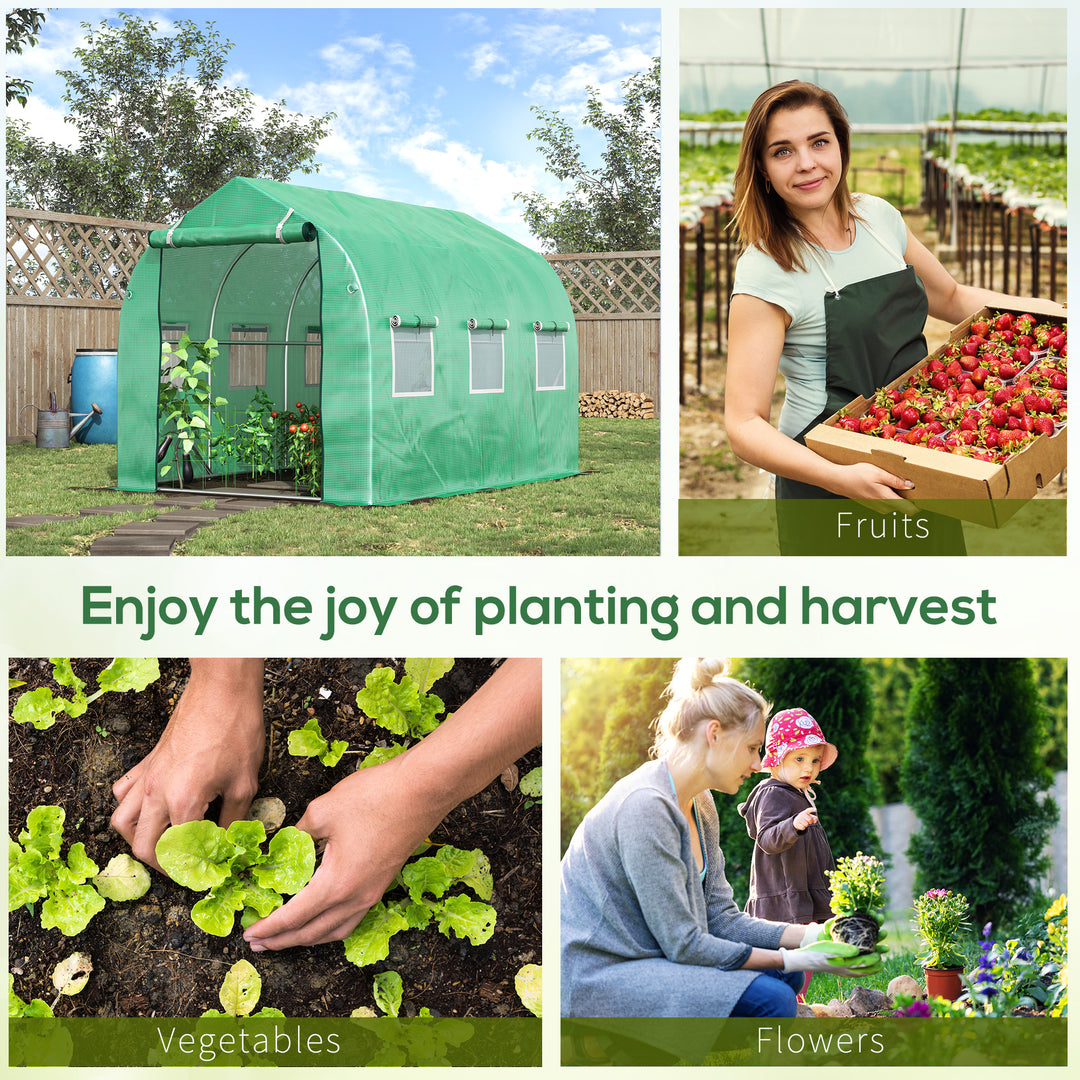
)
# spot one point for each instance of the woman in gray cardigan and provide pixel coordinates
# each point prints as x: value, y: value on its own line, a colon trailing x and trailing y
x: 650, y: 926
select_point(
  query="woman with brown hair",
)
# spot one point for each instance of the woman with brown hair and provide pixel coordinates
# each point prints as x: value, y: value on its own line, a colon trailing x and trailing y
x: 831, y: 291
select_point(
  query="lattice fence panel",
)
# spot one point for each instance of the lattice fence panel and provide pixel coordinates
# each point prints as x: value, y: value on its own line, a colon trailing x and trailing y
x: 70, y: 257
x: 620, y: 283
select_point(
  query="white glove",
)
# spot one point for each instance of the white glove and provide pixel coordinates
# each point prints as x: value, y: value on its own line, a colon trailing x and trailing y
x: 813, y: 932
x: 807, y: 961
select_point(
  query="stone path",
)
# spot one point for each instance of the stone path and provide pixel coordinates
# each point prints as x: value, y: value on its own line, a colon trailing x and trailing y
x: 181, y: 517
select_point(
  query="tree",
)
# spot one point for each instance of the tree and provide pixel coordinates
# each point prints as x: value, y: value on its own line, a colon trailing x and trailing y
x: 616, y: 206
x: 23, y: 28
x: 158, y: 132
x: 973, y: 776
x: 607, y: 710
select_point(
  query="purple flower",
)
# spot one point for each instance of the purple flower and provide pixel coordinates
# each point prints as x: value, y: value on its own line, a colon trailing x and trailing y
x: 916, y: 1008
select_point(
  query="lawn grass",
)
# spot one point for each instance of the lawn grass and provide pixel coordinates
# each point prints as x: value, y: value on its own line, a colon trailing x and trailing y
x: 612, y: 507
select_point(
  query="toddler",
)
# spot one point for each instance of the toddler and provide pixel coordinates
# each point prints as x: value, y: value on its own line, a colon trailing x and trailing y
x: 791, y: 850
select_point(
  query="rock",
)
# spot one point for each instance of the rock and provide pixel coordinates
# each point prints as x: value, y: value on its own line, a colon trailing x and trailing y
x: 815, y: 1010
x: 839, y: 1008
x: 865, y: 1002
x: 905, y: 984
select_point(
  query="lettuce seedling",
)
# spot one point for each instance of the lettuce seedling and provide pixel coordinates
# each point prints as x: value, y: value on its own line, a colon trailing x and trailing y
x: 403, y: 708
x: 232, y: 865
x: 40, y: 707
x: 36, y: 871
x: 529, y: 984
x: 239, y: 993
x: 309, y: 741
x: 467, y: 918
x: 389, y: 990
x: 18, y: 1008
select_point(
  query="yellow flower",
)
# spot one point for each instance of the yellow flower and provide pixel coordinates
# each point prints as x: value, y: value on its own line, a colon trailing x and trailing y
x: 1059, y: 907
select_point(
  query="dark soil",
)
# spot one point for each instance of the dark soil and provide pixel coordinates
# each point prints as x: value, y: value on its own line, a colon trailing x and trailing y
x: 149, y: 957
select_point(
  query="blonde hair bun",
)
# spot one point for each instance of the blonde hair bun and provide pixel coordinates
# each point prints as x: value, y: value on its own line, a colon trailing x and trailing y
x: 700, y: 690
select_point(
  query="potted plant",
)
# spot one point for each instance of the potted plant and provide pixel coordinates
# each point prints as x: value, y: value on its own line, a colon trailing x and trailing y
x: 941, y: 920
x: 857, y: 886
x: 184, y: 400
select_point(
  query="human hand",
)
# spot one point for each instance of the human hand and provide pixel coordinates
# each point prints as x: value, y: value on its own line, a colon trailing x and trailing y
x: 868, y: 482
x: 375, y: 819
x: 804, y: 820
x: 372, y: 821
x: 814, y: 932
x: 808, y: 959
x: 212, y: 745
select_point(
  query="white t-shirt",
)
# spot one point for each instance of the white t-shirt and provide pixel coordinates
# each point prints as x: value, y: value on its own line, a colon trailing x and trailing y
x: 801, y: 293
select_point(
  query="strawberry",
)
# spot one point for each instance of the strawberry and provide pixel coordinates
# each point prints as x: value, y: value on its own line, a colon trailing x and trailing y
x: 1021, y: 356
x: 998, y: 416
x: 1044, y: 425
x: 1003, y: 322
x: 982, y: 328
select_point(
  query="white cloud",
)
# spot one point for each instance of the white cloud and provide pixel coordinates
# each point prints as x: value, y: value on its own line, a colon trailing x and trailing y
x: 46, y: 122
x: 349, y: 54
x: 478, y: 186
x: 484, y: 56
x: 605, y: 73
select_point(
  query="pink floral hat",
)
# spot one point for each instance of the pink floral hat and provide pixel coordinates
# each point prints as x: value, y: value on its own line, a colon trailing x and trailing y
x: 793, y: 729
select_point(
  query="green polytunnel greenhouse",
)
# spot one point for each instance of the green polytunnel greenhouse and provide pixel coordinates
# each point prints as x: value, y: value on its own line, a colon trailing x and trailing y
x: 433, y: 354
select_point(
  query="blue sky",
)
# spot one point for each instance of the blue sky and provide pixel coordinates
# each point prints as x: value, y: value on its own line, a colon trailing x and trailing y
x: 432, y: 104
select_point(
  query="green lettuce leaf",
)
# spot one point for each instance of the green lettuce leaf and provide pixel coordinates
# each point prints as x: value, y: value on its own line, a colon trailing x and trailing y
x: 70, y: 911
x: 196, y: 854
x: 125, y: 674
x: 428, y: 670
x: 289, y: 862
x: 425, y: 875
x: 467, y: 918
x: 123, y: 878
x: 370, y: 941
x: 388, y: 992
x: 216, y: 912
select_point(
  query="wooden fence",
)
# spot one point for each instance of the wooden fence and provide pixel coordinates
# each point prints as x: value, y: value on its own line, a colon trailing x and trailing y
x: 616, y: 302
x: 66, y: 276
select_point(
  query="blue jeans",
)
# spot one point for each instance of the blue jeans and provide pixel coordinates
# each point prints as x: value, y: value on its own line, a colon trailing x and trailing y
x: 772, y: 993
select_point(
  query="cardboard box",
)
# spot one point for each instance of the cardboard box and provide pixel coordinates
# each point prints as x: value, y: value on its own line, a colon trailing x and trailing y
x: 984, y: 492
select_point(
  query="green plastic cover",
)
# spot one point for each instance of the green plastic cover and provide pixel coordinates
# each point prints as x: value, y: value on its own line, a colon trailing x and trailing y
x: 408, y: 411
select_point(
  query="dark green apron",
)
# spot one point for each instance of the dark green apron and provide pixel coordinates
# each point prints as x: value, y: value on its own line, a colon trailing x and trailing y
x: 873, y: 334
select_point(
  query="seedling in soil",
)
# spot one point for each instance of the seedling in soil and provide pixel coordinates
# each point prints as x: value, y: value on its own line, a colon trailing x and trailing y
x: 858, y: 897
x: 239, y: 993
x: 532, y: 786
x: 40, y: 707
x: 231, y: 864
x: 36, y: 870
x: 309, y: 741
x: 406, y: 707
x: 388, y: 990
x: 529, y: 984
x: 17, y: 1008
x: 435, y: 875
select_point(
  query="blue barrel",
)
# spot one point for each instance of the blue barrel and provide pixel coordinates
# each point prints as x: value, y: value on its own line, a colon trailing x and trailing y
x: 93, y: 379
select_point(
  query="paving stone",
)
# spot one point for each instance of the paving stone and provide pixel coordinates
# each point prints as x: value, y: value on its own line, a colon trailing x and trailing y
x: 28, y: 521
x: 116, y: 508
x: 132, y: 545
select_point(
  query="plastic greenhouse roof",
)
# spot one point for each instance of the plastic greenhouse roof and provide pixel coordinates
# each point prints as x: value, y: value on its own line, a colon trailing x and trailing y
x: 1009, y: 57
x: 351, y: 219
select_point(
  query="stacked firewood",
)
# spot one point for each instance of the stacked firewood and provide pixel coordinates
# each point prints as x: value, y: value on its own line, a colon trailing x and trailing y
x: 609, y: 403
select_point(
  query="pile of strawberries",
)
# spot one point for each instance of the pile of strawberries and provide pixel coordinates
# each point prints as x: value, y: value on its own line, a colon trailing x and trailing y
x: 987, y: 396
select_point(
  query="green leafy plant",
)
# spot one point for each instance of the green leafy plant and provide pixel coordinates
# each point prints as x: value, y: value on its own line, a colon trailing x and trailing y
x: 17, y: 1008
x: 1056, y: 956
x: 302, y: 437
x: 230, y: 863
x: 529, y: 984
x: 434, y: 875
x: 309, y: 741
x: 531, y: 786
x: 40, y: 707
x: 184, y: 398
x: 239, y: 993
x: 941, y: 920
x: 857, y: 888
x: 403, y: 708
x: 254, y: 437
x: 36, y: 871
x: 388, y: 991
